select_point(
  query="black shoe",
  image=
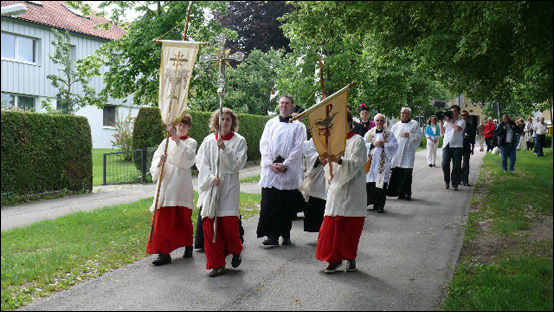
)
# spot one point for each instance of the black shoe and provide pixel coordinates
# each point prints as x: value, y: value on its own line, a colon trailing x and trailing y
x: 236, y: 261
x: 188, y: 252
x: 430, y: 165
x: 408, y: 197
x: 401, y: 196
x: 271, y: 241
x: 466, y: 184
x: 332, y: 268
x: 351, y: 266
x: 217, y: 272
x: 162, y: 259
x: 380, y: 210
x: 286, y: 242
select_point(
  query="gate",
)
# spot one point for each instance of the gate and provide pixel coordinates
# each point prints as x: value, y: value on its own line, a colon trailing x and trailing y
x: 128, y: 166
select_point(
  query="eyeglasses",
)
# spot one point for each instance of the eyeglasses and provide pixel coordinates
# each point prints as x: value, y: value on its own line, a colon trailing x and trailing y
x: 379, y: 120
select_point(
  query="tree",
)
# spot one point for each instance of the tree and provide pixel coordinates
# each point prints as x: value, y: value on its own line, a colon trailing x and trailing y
x: 134, y: 59
x: 387, y: 78
x: 257, y: 25
x: 72, y: 76
x: 494, y: 51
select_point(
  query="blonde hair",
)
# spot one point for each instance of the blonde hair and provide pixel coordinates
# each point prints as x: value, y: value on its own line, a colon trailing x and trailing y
x: 214, y: 120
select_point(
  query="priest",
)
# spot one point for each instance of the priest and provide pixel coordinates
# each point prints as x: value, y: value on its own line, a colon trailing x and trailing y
x: 281, y: 148
x: 381, y: 145
x: 409, y: 137
x: 345, y: 209
x: 365, y: 123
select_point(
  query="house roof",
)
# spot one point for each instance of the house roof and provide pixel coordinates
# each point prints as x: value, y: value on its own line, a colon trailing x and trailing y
x: 56, y: 14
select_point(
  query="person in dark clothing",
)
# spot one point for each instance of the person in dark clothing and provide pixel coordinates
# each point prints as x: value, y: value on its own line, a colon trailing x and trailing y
x: 468, y: 147
x: 365, y: 124
x: 506, y: 137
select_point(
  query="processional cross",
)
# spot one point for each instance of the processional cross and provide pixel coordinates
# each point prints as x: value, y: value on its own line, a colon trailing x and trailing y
x: 222, y: 58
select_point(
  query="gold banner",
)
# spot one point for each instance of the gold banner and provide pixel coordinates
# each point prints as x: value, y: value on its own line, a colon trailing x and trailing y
x: 329, y: 126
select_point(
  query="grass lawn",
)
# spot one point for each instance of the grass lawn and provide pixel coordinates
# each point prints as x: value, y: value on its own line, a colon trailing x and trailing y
x: 98, y: 164
x: 52, y: 255
x: 506, y: 262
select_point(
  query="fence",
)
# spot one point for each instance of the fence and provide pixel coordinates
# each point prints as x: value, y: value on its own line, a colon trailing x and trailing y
x: 128, y: 166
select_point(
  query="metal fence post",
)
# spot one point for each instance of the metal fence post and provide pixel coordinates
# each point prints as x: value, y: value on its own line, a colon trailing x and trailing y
x: 104, y: 169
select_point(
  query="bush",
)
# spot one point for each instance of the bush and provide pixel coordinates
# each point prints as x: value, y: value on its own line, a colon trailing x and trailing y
x: 148, y: 131
x: 43, y: 153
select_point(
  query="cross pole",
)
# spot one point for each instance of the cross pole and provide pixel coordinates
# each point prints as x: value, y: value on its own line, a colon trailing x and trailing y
x: 222, y: 58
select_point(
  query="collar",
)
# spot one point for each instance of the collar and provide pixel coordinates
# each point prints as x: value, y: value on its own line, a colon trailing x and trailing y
x: 225, y: 137
x: 407, y: 121
x: 379, y: 131
x: 284, y: 119
x: 181, y: 137
x: 350, y: 134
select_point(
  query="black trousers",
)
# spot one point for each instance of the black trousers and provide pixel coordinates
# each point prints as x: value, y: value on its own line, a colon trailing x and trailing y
x: 376, y: 196
x: 454, y: 155
x: 313, y: 214
x: 465, y: 166
x: 400, y: 182
x: 276, y: 212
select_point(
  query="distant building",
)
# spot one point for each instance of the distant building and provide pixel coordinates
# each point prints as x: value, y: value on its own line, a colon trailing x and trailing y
x: 26, y: 45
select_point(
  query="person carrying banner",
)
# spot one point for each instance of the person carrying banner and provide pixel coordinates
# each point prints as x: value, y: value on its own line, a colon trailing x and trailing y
x: 409, y: 137
x: 233, y: 156
x: 173, y: 224
x: 381, y: 145
x: 281, y: 148
x: 345, y: 209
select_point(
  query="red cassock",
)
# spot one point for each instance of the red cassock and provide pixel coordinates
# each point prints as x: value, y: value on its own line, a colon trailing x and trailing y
x: 172, y: 230
x: 227, y: 240
x: 338, y: 238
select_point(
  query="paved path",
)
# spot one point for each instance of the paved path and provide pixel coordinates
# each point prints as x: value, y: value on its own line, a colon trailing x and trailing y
x: 405, y: 260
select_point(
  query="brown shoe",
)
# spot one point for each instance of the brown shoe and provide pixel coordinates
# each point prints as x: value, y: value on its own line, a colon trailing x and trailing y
x: 447, y: 186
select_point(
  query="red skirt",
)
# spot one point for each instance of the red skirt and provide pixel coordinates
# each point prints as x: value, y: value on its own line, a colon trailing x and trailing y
x: 338, y: 238
x: 172, y: 230
x: 227, y: 240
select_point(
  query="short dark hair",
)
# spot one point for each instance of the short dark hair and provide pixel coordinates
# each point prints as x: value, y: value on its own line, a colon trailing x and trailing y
x: 456, y: 107
x: 288, y: 97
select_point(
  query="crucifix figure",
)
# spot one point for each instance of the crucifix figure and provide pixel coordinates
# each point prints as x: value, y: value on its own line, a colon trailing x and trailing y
x: 222, y: 58
x: 177, y: 77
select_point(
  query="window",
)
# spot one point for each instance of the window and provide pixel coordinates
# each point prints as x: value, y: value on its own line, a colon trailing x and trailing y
x: 19, y: 48
x: 109, y: 115
x: 26, y: 103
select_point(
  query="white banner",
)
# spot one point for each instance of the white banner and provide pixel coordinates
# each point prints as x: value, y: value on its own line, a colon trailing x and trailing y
x: 178, y: 58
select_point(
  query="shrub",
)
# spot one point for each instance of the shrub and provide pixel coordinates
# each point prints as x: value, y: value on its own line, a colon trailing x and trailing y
x: 42, y: 153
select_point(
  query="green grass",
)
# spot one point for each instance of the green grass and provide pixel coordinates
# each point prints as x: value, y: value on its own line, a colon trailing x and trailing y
x: 98, y: 164
x: 255, y: 178
x: 52, y: 255
x: 519, y: 275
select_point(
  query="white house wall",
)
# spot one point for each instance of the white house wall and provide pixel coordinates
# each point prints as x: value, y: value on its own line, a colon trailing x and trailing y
x: 21, y: 78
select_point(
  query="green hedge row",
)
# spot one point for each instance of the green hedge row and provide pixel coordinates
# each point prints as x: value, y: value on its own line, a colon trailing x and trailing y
x: 42, y: 153
x: 148, y: 131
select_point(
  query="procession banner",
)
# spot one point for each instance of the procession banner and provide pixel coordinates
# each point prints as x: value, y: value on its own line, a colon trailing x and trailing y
x: 328, y: 124
x: 178, y: 58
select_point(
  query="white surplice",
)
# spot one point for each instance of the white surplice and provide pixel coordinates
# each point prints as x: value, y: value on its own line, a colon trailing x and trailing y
x: 286, y: 140
x: 407, y: 147
x: 233, y: 159
x: 347, y: 193
x: 315, y: 183
x: 176, y: 188
x: 389, y: 150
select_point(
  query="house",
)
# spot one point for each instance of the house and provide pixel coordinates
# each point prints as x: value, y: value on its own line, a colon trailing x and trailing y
x: 26, y: 45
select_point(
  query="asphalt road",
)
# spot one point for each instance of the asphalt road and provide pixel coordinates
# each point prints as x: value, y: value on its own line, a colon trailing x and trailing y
x: 405, y: 262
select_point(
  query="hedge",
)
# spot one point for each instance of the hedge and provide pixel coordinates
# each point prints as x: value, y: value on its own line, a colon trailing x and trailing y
x: 148, y: 131
x: 43, y: 153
